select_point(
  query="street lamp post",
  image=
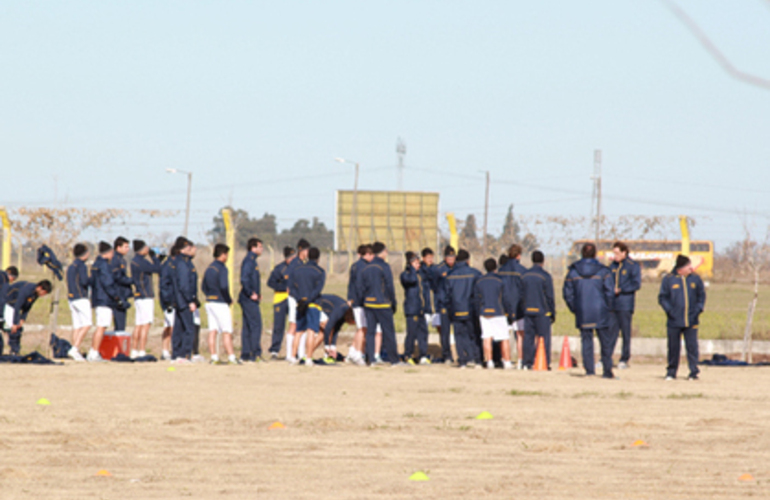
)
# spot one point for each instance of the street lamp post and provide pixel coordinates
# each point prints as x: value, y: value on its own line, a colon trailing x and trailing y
x: 354, y: 214
x: 189, y: 192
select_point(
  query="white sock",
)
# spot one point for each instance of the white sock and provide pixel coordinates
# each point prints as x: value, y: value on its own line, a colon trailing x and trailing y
x: 215, y: 357
x: 166, y: 354
x: 302, y: 344
x: 289, y: 345
x: 231, y: 357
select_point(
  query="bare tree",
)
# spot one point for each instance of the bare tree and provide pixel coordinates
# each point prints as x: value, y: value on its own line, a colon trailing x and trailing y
x: 754, y: 257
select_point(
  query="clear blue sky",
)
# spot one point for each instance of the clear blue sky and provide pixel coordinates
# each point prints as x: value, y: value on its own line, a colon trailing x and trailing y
x: 257, y: 98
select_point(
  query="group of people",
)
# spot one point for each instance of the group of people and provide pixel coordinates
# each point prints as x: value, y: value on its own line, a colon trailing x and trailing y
x: 485, y: 311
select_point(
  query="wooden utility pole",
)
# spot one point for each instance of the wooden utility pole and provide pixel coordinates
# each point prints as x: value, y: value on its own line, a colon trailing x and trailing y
x: 486, y: 214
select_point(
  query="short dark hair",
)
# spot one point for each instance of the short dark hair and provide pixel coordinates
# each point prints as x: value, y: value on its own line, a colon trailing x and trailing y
x: 12, y: 271
x: 303, y: 244
x: 503, y: 260
x: 514, y: 251
x: 79, y: 250
x: 220, y: 249
x: 588, y: 251
x: 185, y: 244
x: 179, y: 242
x: 449, y: 250
x: 314, y: 253
x: 378, y: 247
x: 46, y: 285
x: 490, y: 265
x: 253, y: 242
x: 361, y: 249
x: 139, y: 245
x: 463, y: 255
x: 426, y: 251
x: 104, y: 247
x: 538, y: 257
x: 410, y: 257
x: 120, y: 241
x: 621, y: 246
x: 368, y: 249
x: 288, y: 252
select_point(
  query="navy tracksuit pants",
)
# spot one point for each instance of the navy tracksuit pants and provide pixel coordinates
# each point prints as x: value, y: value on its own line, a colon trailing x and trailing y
x: 620, y: 324
x: 536, y: 326
x: 674, y: 349
x: 119, y: 318
x: 416, y: 330
x: 251, y: 333
x: 280, y: 311
x: 384, y: 318
x: 465, y: 341
x: 183, y: 333
x: 606, y: 345
x: 446, y: 338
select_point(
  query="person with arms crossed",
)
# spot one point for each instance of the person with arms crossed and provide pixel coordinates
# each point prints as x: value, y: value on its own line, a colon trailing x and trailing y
x: 415, y: 310
x: 628, y: 280
x: 186, y: 300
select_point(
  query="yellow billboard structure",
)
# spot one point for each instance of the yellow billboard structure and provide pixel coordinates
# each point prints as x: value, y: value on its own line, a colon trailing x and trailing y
x: 403, y: 220
x: 6, y: 245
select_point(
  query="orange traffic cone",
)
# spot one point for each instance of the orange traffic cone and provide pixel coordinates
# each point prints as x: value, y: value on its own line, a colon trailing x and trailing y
x: 540, y: 363
x: 566, y: 357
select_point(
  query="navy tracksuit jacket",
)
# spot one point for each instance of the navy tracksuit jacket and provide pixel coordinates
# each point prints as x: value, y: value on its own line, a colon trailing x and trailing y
x: 589, y: 291
x: 439, y: 275
x: 377, y: 295
x: 416, y: 301
x: 335, y: 309
x: 123, y: 284
x: 185, y: 280
x: 141, y: 275
x: 216, y: 285
x: 511, y: 273
x: 78, y: 280
x: 628, y: 278
x: 683, y: 299
x: 461, y: 306
x: 166, y: 284
x: 251, y: 332
x: 539, y: 305
x: 278, y: 281
x: 104, y: 292
x: 21, y: 296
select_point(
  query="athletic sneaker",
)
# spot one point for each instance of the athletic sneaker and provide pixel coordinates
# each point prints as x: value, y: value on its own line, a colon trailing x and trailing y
x: 94, y: 356
x: 490, y: 365
x: 181, y: 361
x: 692, y: 377
x: 234, y: 361
x: 292, y: 361
x: 669, y: 377
x: 142, y: 354
x: 166, y: 356
x: 424, y: 361
x: 360, y: 361
x: 75, y: 354
x: 622, y: 365
x: 520, y: 364
x: 411, y: 361
x: 273, y: 356
x: 198, y: 359
x: 329, y: 360
x: 134, y: 354
x: 507, y: 365
x: 307, y: 361
x: 378, y: 360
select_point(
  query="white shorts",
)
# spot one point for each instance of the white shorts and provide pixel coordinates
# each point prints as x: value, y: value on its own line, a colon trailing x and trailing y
x: 145, y: 311
x: 518, y: 325
x: 81, y: 313
x: 168, y: 318
x: 8, y: 313
x: 292, y: 310
x: 360, y: 316
x: 103, y: 316
x: 495, y: 327
x: 220, y: 317
x: 435, y: 320
x: 324, y: 318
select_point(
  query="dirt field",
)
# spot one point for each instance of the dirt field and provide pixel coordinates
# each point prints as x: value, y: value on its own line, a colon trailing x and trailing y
x: 202, y: 431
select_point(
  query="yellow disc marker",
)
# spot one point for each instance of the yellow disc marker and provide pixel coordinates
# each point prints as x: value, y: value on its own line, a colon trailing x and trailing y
x: 276, y: 425
x: 44, y: 402
x: 419, y: 476
x: 484, y: 415
x: 170, y: 369
x: 104, y: 473
x: 639, y: 442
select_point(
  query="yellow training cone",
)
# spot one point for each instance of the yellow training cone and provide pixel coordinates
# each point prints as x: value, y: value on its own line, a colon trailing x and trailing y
x: 44, y: 402
x: 484, y: 415
x: 104, y: 473
x: 746, y: 477
x: 419, y: 476
x: 276, y: 425
x: 170, y: 369
x: 639, y: 442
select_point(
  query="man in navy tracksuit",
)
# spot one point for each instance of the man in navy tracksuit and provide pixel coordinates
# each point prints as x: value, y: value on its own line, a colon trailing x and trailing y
x: 216, y: 290
x: 278, y: 281
x: 416, y: 298
x: 628, y: 279
x: 249, y: 298
x: 122, y: 282
x: 377, y: 295
x: 539, y: 309
x: 167, y: 300
x: 589, y: 291
x: 293, y: 341
x: 427, y: 269
x: 105, y: 298
x: 144, y: 264
x: 6, y: 278
x: 460, y: 303
x: 335, y: 313
x: 78, y: 285
x: 186, y: 300
x: 19, y: 299
x: 511, y: 272
x: 440, y: 273
x: 306, y: 284
x: 683, y: 297
x: 494, y: 309
x: 356, y: 352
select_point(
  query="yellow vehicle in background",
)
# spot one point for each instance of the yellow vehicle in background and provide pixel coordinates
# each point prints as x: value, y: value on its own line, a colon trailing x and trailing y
x: 656, y: 257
